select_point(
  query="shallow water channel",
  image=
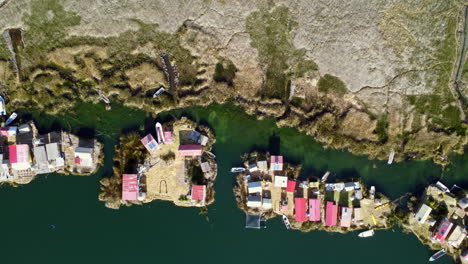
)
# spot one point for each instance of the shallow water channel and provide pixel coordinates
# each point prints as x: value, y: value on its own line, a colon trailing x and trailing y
x: 58, y: 219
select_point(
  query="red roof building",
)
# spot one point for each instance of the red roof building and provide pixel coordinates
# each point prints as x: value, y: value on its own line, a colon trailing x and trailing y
x: 300, y: 207
x: 129, y: 187
x: 198, y: 192
x: 276, y: 163
x: 442, y: 231
x: 314, y: 210
x: 150, y: 143
x: 18, y: 153
x: 291, y: 186
x: 331, y: 214
x: 190, y: 150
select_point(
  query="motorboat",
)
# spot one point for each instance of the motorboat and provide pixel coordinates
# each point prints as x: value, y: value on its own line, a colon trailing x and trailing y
x: 438, y: 255
x: 286, y: 222
x: 238, y: 169
x: 390, y: 157
x: 368, y: 233
x: 159, y: 133
x: 325, y: 176
x: 11, y: 118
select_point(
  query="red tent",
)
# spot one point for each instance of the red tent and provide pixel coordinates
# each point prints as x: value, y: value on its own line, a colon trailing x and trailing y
x: 291, y: 186
x: 300, y: 208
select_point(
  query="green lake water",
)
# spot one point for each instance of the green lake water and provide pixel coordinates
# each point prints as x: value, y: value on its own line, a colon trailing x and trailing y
x: 159, y: 232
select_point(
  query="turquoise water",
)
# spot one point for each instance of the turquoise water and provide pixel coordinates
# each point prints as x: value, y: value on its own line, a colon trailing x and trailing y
x: 86, y: 231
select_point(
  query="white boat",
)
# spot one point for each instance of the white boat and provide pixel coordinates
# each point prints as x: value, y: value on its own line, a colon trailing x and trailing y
x: 2, y: 106
x: 368, y: 233
x: 372, y: 192
x: 11, y: 118
x: 238, y: 169
x: 102, y: 96
x: 438, y: 255
x: 159, y: 92
x: 390, y: 157
x: 159, y: 133
x: 325, y: 176
x: 286, y: 222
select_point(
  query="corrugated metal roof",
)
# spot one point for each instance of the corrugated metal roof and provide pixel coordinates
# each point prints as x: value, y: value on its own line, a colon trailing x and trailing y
x: 53, y: 151
x: 40, y: 155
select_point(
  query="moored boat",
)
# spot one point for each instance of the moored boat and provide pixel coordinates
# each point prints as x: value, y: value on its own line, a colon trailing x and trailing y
x: 2, y: 106
x: 238, y: 169
x: 438, y: 255
x: 390, y: 157
x: 286, y: 222
x: 159, y: 133
x: 325, y: 176
x: 368, y: 233
x: 11, y: 118
x: 372, y: 192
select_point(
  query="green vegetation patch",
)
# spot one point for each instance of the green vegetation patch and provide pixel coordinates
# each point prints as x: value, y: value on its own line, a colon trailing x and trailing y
x: 331, y: 84
x: 270, y: 31
x: 381, y: 128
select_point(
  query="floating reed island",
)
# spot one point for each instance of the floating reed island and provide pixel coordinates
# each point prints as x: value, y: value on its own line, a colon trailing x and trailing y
x: 24, y: 153
x: 439, y: 218
x: 174, y: 165
x: 267, y: 186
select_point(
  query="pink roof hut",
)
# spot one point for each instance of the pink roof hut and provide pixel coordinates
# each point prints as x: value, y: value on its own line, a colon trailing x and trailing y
x: 276, y: 163
x: 8, y: 131
x: 440, y: 234
x: 19, y: 153
x: 291, y: 186
x: 346, y: 213
x: 190, y: 150
x: 300, y: 207
x: 331, y: 214
x: 314, y: 210
x: 129, y: 187
x: 150, y: 143
x: 198, y: 192
x: 168, y: 137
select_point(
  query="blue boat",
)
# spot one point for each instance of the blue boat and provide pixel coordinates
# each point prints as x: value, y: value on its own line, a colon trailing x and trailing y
x: 11, y: 118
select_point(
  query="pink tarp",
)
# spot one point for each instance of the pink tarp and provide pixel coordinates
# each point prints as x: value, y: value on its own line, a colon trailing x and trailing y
x: 300, y: 207
x: 18, y: 153
x: 314, y: 210
x: 276, y: 163
x: 198, y: 192
x: 129, y: 187
x: 291, y: 186
x: 331, y: 214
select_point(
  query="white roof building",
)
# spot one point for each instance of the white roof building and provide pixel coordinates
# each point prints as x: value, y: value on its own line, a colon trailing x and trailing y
x: 53, y: 151
x: 255, y: 187
x: 267, y: 204
x: 281, y: 181
x: 349, y: 186
x: 423, y: 213
x: 254, y: 201
x: 262, y: 165
x: 84, y: 156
